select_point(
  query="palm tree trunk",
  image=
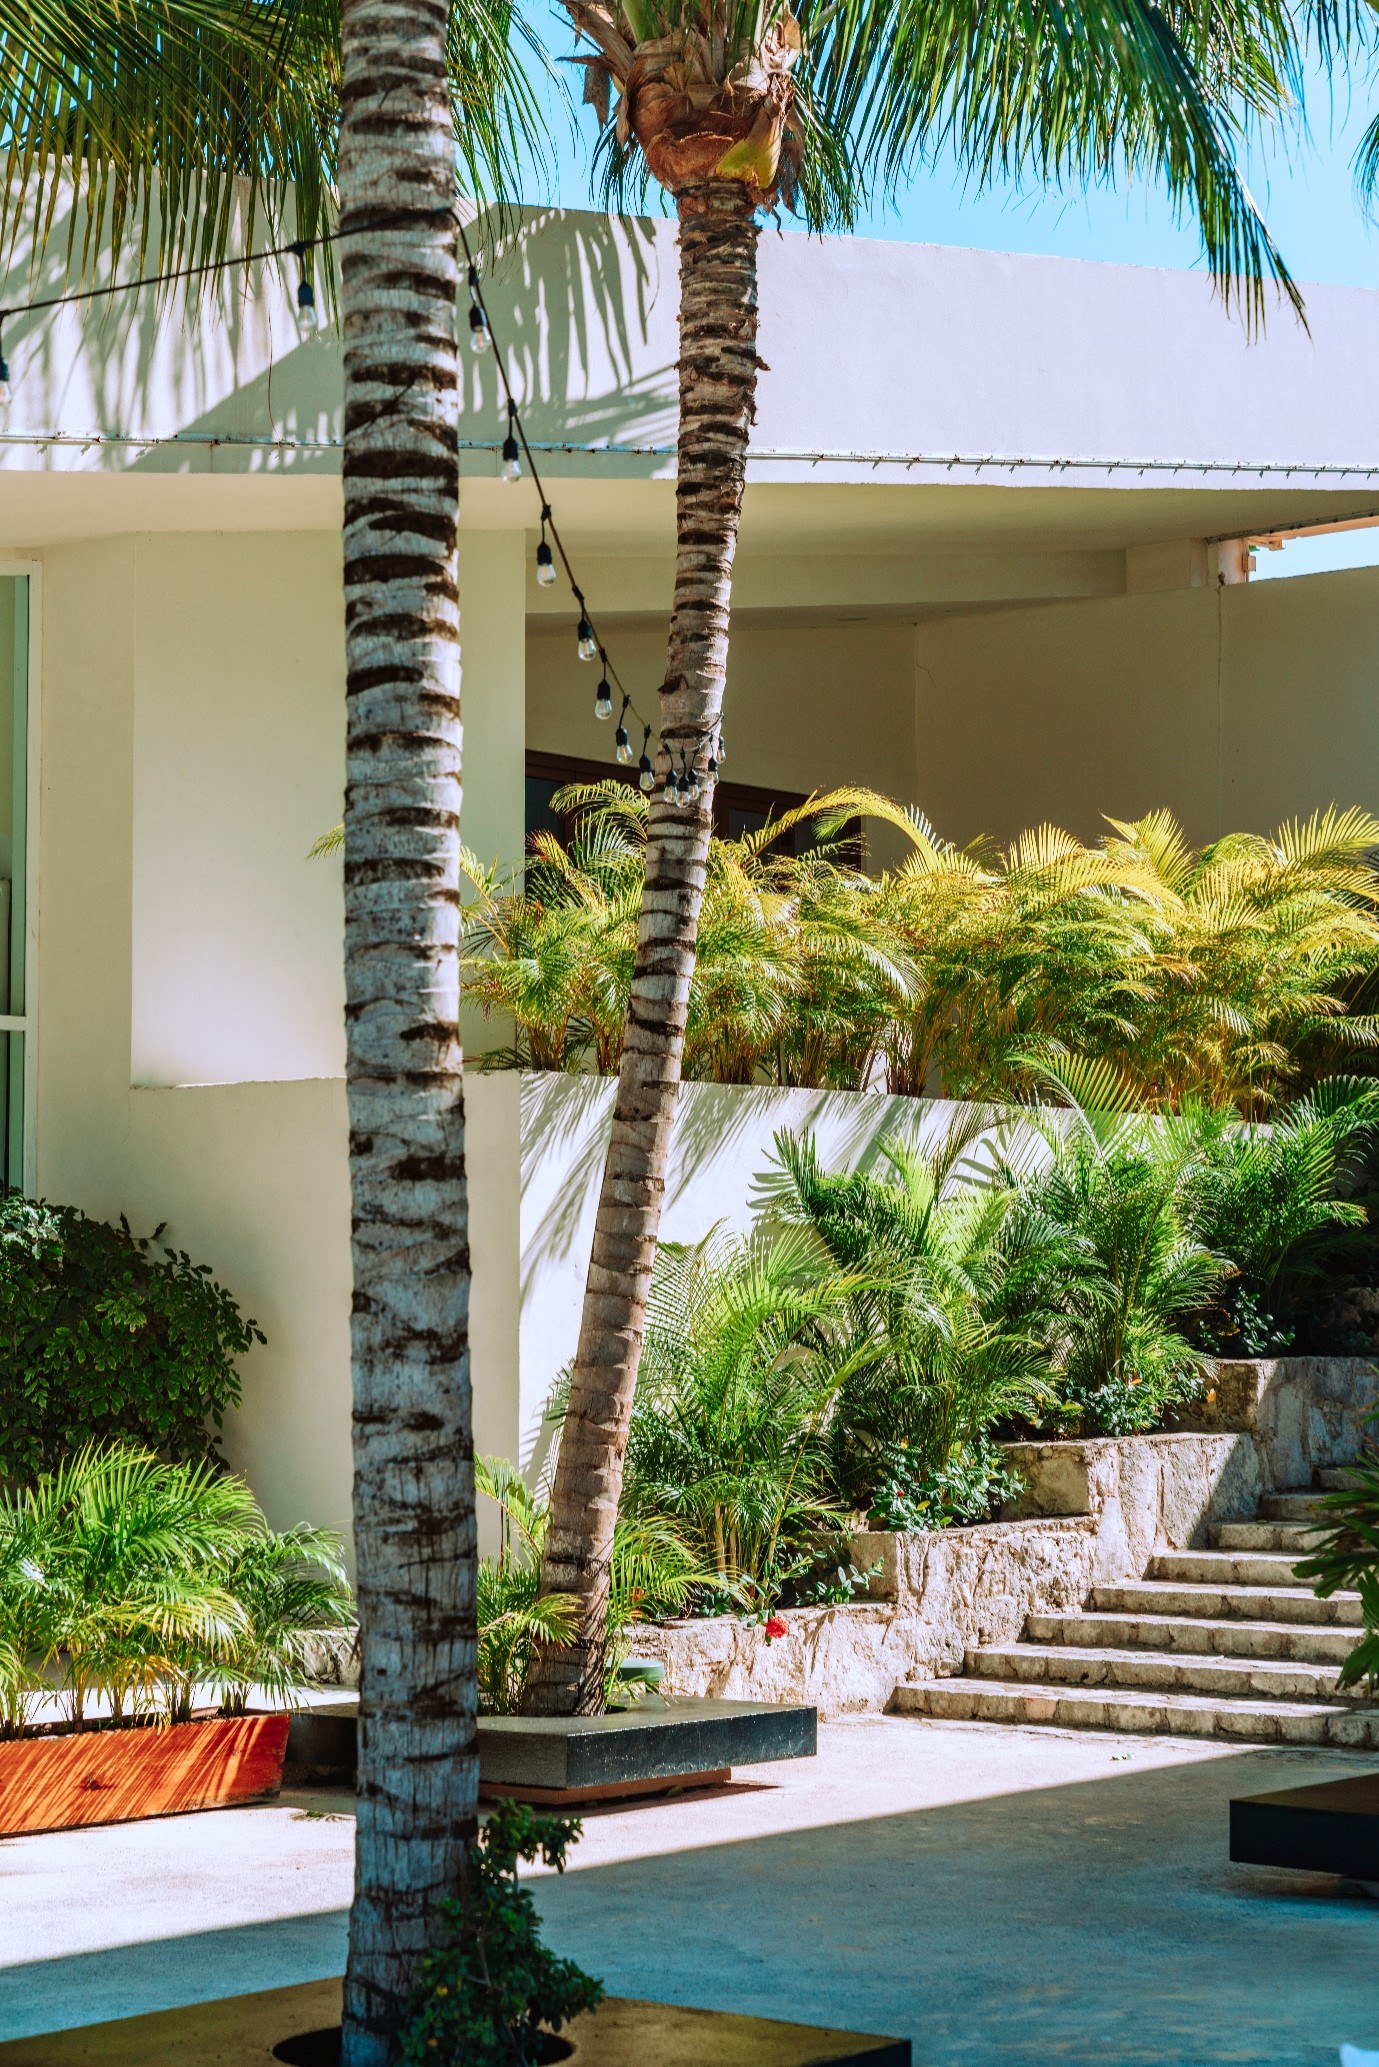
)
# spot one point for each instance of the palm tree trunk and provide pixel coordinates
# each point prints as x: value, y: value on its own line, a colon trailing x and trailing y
x: 413, y: 1452
x: 718, y: 373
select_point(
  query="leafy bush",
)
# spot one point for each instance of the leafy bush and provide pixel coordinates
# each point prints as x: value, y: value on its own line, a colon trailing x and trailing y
x: 653, y: 1575
x: 746, y: 1351
x: 971, y: 1485
x: 100, y: 1336
x: 1226, y: 975
x: 483, y: 1999
x: 134, y: 1583
x: 941, y: 1277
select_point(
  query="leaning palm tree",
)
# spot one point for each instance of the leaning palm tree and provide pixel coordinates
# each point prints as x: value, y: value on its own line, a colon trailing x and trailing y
x: 734, y: 110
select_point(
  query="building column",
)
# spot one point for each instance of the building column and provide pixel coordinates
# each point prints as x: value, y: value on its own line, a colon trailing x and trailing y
x: 493, y: 693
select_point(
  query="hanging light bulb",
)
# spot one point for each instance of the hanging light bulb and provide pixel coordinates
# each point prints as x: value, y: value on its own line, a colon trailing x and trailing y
x: 545, y: 558
x: 622, y: 745
x: 711, y: 767
x: 691, y: 782
x: 671, y: 791
x: 479, y: 339
x: 308, y: 315
x: 722, y: 750
x: 685, y: 794
x: 646, y: 774
x: 603, y: 700
x: 512, y: 453
x: 587, y: 647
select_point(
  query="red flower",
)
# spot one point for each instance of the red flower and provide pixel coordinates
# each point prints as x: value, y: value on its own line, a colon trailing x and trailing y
x: 774, y: 1627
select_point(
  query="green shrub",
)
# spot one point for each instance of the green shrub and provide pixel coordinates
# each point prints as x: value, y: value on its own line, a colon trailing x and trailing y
x: 138, y: 1583
x: 483, y: 1999
x: 653, y: 1574
x: 101, y: 1336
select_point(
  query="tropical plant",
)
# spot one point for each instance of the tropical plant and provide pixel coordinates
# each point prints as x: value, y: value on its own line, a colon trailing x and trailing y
x: 1229, y: 976
x: 654, y: 1575
x: 1268, y: 1197
x: 731, y: 111
x: 1345, y: 1556
x: 140, y: 1585
x: 488, y: 1991
x: 945, y: 1279
x: 747, y: 1352
x: 102, y: 1336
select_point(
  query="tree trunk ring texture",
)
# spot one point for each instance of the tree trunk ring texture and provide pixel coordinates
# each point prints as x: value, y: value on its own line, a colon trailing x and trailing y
x: 719, y: 233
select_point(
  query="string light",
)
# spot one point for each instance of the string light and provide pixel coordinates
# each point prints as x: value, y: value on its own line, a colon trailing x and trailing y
x: 603, y: 700
x: 479, y: 339
x: 545, y: 558
x: 589, y: 646
x: 512, y: 456
x: 514, y: 447
x: 308, y: 315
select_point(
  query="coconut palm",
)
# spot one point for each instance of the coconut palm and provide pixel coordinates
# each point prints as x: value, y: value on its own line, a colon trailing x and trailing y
x: 173, y: 127
x: 732, y: 111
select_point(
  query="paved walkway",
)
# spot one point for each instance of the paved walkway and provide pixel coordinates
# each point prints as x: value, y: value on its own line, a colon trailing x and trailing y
x: 1005, y: 1897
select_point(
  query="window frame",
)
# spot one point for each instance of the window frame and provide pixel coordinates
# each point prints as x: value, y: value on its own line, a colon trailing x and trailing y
x: 727, y: 796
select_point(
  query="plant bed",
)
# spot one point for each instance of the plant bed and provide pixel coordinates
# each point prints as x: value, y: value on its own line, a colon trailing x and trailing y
x: 300, y: 2027
x: 62, y: 1782
x: 1330, y: 1828
x: 566, y: 1761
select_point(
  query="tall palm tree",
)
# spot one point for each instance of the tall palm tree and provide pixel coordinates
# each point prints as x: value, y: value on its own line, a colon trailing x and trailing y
x: 149, y: 112
x: 733, y: 109
x: 414, y: 1526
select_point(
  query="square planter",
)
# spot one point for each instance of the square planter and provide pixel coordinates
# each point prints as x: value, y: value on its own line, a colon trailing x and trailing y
x: 118, y: 1776
x: 299, y: 2027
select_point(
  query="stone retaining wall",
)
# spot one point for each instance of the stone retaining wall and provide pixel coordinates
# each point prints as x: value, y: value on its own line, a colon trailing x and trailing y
x: 1094, y: 1512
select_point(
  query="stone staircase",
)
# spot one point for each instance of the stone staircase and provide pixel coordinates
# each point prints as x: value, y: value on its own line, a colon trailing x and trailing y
x: 1224, y: 1642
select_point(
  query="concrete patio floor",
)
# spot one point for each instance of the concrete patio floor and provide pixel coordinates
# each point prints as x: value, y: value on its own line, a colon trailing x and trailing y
x: 999, y: 1895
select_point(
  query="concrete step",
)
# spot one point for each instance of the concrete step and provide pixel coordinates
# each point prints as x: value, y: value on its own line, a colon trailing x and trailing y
x: 1238, y: 1603
x: 1223, y: 1567
x: 1142, y: 1711
x: 1290, y: 1507
x: 1335, y: 1479
x: 1196, y: 1636
x: 1296, y: 1537
x: 1256, y: 1679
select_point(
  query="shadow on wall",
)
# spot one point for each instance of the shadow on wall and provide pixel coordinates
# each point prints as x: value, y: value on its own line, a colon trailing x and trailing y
x: 577, y: 302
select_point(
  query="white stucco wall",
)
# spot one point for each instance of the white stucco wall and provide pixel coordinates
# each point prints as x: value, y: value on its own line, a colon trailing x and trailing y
x: 1237, y: 708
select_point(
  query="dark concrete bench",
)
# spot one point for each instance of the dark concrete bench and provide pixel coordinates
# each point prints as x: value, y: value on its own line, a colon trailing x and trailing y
x: 645, y: 1749
x: 1330, y: 1828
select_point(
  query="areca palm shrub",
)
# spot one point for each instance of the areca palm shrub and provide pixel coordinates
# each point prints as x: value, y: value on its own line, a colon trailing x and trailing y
x: 733, y: 111
x: 948, y: 1279
x: 748, y: 1349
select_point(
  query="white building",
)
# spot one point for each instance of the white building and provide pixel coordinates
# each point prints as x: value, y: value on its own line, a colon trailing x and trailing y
x: 980, y: 568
